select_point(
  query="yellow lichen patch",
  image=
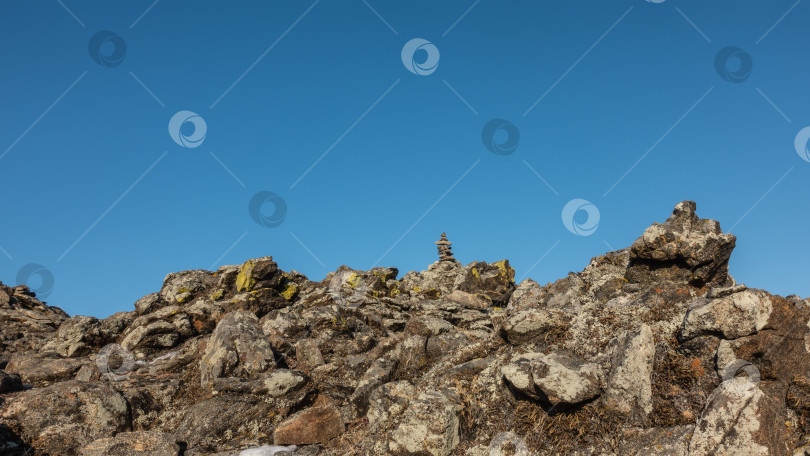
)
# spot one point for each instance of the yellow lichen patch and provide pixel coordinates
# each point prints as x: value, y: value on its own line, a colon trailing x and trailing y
x: 475, y: 273
x: 217, y: 295
x: 417, y: 289
x: 385, y: 277
x: 245, y: 280
x: 394, y: 291
x: 353, y: 280
x: 289, y: 291
x: 507, y: 272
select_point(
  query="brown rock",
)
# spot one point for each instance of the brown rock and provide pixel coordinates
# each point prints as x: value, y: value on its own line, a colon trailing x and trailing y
x: 313, y: 425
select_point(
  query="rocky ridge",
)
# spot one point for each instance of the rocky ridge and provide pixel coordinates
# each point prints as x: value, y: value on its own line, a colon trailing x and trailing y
x: 653, y: 349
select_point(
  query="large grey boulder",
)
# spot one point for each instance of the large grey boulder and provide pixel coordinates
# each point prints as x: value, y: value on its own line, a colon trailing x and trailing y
x: 629, y: 385
x: 740, y: 419
x: 237, y: 348
x: 559, y: 380
x: 731, y: 317
x: 685, y: 248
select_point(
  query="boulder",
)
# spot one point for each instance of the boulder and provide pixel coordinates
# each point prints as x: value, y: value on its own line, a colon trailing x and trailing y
x: 629, y: 384
x: 44, y: 368
x: 528, y: 294
x: 685, y: 248
x: 316, y: 424
x: 739, y: 418
x: 731, y: 316
x: 558, y: 380
x: 76, y: 337
x: 533, y: 325
x: 61, y: 418
x: 237, y: 348
x: 227, y: 422
x: 182, y: 287
x: 376, y: 375
x: 493, y: 281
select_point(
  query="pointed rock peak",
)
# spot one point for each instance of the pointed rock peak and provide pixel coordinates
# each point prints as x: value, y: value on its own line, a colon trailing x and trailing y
x: 685, y: 248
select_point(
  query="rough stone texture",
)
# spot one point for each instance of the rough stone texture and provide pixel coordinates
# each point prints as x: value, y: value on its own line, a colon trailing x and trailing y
x: 60, y: 418
x: 313, y: 425
x: 226, y: 421
x: 740, y: 418
x: 75, y: 337
x: 237, y: 348
x: 558, y: 379
x: 629, y: 386
x: 731, y: 316
x: 41, y: 369
x: 133, y: 444
x: 635, y: 354
x: 181, y: 287
x: 685, y: 248
x: 528, y: 294
x: 430, y: 425
x: 532, y: 325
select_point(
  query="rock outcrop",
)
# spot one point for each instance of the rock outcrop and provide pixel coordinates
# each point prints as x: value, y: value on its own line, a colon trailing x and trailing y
x: 653, y: 349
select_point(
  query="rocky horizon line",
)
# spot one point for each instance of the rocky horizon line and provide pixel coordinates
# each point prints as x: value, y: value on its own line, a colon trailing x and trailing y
x: 651, y: 349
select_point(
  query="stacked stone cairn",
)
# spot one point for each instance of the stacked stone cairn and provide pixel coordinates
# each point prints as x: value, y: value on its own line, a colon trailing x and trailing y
x: 445, y: 254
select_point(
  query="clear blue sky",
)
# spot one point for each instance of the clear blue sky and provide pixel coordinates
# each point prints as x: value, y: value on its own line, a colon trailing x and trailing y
x: 97, y: 191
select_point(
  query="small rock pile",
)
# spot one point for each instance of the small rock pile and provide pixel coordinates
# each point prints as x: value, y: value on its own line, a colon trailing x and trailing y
x: 445, y: 254
x: 650, y: 350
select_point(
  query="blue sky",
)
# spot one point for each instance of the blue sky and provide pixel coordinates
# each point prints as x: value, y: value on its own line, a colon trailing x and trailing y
x: 619, y: 104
